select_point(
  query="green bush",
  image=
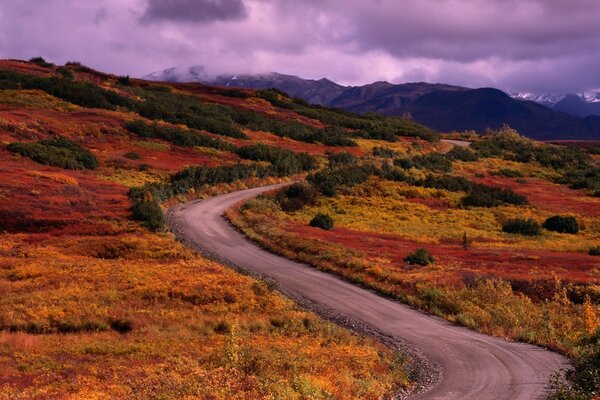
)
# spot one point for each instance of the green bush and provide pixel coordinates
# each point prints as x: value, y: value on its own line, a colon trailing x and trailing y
x: 328, y: 181
x: 296, y: 196
x: 149, y: 213
x: 322, y: 221
x: 61, y: 152
x: 510, y: 173
x: 124, y: 80
x: 80, y: 93
x: 434, y: 162
x: 132, y: 155
x: 490, y: 196
x: 65, y: 73
x: 338, y: 159
x: 562, y: 224
x: 283, y: 161
x: 462, y: 154
x: 582, y: 381
x: 594, y: 251
x: 179, y: 136
x: 41, y: 62
x: 522, y: 226
x: 384, y: 152
x: 420, y: 257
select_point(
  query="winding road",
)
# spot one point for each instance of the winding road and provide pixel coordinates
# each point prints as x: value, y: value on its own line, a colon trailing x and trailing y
x: 472, y: 365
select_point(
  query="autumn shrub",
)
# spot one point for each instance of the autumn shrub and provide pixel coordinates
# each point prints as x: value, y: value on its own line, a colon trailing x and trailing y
x: 420, y: 257
x: 562, y: 224
x: 149, y: 213
x: 522, y: 226
x: 84, y: 94
x: 446, y: 182
x: 462, y: 154
x: 296, y: 196
x: 184, y: 109
x: 509, y: 173
x: 178, y: 136
x: 41, y: 62
x: 322, y: 221
x: 582, y: 380
x: 283, y: 161
x: 434, y: 162
x: 60, y: 152
x: 337, y: 159
x: 65, y: 73
x: 121, y: 325
x: 328, y: 181
x: 384, y: 152
x: 490, y: 196
x: 132, y: 155
x: 124, y: 80
x: 594, y: 251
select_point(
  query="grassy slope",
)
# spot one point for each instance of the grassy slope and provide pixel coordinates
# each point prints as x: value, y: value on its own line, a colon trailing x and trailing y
x: 525, y: 288
x: 93, y: 306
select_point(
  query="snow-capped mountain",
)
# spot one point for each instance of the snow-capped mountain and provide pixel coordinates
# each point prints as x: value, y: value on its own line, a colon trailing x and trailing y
x: 195, y: 73
x: 547, y: 99
x: 581, y: 104
x: 591, y: 96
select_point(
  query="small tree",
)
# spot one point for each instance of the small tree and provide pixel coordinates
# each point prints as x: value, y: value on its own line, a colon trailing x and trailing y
x: 561, y: 224
x: 522, y: 226
x: 322, y: 221
x: 420, y: 257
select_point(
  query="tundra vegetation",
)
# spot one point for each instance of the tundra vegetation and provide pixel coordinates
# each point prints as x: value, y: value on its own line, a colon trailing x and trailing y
x: 500, y: 237
x: 99, y: 301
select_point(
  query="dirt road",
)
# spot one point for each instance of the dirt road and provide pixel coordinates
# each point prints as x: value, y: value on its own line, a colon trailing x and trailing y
x: 472, y: 365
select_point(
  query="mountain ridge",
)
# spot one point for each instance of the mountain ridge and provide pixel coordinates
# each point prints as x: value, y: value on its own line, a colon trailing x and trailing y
x: 440, y: 106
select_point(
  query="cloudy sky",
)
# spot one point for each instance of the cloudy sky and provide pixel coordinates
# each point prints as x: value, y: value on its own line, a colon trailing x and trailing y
x: 539, y: 45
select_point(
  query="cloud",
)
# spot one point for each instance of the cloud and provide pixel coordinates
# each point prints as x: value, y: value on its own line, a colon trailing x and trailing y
x: 194, y: 10
x: 548, y: 45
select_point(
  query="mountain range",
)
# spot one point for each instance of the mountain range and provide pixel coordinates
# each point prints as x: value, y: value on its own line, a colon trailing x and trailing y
x: 439, y: 106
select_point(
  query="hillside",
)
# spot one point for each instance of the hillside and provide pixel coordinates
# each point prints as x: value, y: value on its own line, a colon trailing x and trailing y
x: 99, y: 301
x: 442, y: 107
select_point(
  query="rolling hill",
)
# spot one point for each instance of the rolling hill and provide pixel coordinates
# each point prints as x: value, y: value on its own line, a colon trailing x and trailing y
x: 439, y: 106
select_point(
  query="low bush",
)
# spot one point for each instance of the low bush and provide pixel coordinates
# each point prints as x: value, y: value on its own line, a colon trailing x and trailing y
x: 328, y: 181
x: 434, y: 162
x: 522, y: 226
x: 132, y: 155
x: 322, y: 221
x: 337, y: 159
x: 283, y: 161
x: 384, y: 152
x: 562, y: 224
x: 149, y: 213
x: 296, y: 196
x: 462, y: 154
x: 420, y: 257
x: 41, y: 62
x: 179, y: 136
x: 60, y: 152
x: 594, y: 251
x: 490, y: 196
x: 124, y: 80
x: 509, y: 173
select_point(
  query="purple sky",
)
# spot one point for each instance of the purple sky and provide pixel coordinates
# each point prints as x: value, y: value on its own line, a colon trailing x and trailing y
x: 543, y: 45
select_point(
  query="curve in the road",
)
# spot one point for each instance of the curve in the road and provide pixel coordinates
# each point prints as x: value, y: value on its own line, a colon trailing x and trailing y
x: 473, y: 365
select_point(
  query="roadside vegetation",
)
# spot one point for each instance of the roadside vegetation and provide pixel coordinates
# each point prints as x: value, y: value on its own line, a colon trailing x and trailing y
x: 509, y: 253
x: 98, y: 301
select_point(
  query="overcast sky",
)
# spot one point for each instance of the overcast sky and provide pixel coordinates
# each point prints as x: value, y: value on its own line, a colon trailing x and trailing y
x: 538, y: 45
